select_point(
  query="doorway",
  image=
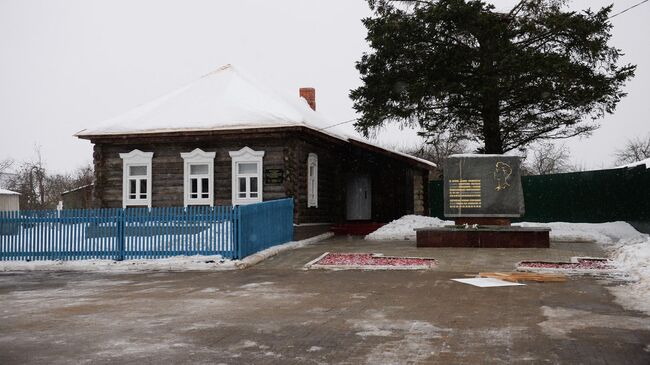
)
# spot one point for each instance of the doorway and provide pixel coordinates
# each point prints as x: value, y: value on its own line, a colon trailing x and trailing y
x: 358, y: 199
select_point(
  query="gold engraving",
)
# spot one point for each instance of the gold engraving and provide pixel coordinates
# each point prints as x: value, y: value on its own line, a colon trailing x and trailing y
x: 464, y: 193
x: 502, y: 174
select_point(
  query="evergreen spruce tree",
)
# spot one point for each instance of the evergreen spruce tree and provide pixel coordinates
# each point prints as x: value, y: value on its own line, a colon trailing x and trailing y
x: 500, y: 79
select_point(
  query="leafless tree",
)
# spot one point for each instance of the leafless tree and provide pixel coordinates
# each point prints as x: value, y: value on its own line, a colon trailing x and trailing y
x: 42, y: 190
x: 548, y: 158
x: 636, y: 149
x: 5, y: 164
x: 29, y: 181
x: 439, y: 147
x: 84, y: 175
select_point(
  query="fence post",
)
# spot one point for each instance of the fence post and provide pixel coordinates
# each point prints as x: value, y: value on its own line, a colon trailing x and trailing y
x: 290, y: 220
x: 121, y: 232
x: 238, y: 237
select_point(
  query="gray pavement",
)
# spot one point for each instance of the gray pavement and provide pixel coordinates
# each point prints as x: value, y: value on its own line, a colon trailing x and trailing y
x: 277, y: 313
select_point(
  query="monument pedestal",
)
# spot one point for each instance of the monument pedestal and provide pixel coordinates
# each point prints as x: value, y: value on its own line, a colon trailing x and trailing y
x: 484, y: 236
x: 482, y: 193
x: 482, y: 221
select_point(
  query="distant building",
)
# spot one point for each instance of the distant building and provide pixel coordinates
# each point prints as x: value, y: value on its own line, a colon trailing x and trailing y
x: 9, y: 200
x: 79, y: 198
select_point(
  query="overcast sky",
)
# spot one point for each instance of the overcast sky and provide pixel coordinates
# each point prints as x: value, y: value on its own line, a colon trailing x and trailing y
x: 67, y: 65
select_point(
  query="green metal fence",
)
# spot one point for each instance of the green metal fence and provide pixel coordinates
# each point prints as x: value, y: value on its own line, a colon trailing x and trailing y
x: 589, y: 196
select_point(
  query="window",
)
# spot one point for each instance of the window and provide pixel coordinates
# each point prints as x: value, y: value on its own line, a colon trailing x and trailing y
x: 312, y: 180
x: 246, y: 176
x: 198, y: 177
x: 136, y: 178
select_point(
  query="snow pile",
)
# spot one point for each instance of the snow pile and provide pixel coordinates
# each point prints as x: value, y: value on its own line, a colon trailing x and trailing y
x: 176, y: 263
x: 633, y: 257
x: 606, y: 233
x: 404, y: 228
x: 272, y: 251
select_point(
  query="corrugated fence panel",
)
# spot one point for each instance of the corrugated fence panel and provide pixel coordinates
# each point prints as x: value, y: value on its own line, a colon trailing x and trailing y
x: 264, y: 225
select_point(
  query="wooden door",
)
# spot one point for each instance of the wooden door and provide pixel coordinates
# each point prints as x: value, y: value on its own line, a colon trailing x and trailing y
x: 358, y: 198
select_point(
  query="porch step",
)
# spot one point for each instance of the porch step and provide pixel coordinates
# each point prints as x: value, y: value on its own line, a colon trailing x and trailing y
x: 355, y: 228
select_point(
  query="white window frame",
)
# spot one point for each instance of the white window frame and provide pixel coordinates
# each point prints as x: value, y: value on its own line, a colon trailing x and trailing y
x: 198, y: 157
x: 312, y: 180
x: 133, y: 159
x: 246, y: 155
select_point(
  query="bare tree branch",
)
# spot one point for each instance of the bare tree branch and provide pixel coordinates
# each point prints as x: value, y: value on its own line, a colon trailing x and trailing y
x: 548, y: 158
x: 636, y: 149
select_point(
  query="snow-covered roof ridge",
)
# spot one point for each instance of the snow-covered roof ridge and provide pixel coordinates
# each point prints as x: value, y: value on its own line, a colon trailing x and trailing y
x: 479, y: 155
x: 8, y: 192
x: 78, y: 188
x: 645, y: 162
x: 224, y: 99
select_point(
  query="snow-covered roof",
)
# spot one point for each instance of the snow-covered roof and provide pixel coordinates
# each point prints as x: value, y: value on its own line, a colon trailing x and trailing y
x: 76, y: 189
x: 645, y: 162
x: 8, y: 192
x: 478, y: 155
x: 226, y: 98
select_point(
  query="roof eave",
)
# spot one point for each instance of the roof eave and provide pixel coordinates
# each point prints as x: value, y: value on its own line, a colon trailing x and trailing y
x: 199, y: 132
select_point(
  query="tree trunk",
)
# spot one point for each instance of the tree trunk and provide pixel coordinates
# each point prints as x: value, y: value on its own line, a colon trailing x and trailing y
x: 491, y: 125
x: 490, y: 98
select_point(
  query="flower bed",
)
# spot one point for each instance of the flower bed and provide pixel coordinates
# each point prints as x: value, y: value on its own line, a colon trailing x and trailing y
x: 577, y: 264
x: 369, y: 261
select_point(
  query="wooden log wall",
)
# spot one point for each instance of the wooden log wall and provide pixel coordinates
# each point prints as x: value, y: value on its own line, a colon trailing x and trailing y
x: 167, y: 166
x: 398, y: 188
x: 331, y: 183
x: 394, y: 183
x: 418, y: 194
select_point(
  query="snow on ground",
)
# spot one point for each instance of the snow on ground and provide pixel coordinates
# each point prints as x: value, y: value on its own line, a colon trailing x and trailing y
x: 403, y: 228
x: 628, y: 248
x: 176, y: 263
x: 632, y: 256
x: 274, y: 250
x: 606, y: 233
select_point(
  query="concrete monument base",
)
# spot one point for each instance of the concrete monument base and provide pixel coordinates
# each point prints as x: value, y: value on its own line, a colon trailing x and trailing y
x: 493, y: 236
x: 482, y: 221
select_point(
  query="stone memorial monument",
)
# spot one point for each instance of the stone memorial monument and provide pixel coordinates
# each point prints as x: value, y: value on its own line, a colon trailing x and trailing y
x: 481, y: 194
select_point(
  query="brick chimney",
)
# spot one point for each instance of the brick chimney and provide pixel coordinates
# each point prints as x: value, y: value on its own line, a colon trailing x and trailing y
x: 309, y: 93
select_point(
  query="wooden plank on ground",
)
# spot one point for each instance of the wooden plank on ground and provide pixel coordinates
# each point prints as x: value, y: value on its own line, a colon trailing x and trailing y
x: 524, y: 276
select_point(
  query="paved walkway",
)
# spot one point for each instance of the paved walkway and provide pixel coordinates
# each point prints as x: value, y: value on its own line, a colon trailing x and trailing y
x: 449, y: 259
x: 277, y: 313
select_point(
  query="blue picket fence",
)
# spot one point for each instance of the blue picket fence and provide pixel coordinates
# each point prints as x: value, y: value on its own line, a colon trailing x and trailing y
x: 264, y: 225
x: 142, y: 232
